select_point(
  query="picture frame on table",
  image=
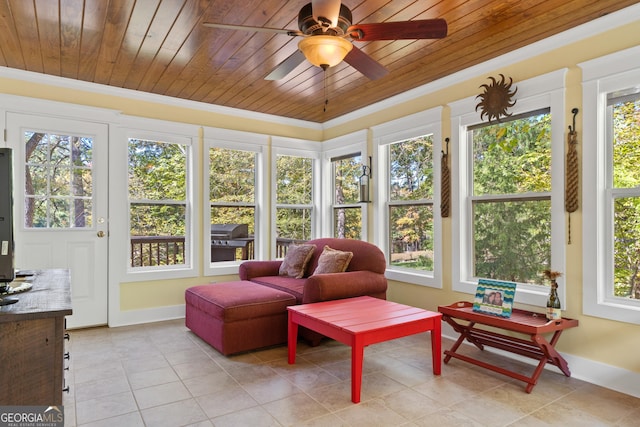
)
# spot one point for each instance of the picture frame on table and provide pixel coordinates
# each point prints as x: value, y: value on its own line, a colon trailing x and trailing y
x: 494, y: 297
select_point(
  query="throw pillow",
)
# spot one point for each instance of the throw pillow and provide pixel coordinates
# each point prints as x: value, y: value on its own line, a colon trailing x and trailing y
x: 296, y: 259
x: 333, y: 261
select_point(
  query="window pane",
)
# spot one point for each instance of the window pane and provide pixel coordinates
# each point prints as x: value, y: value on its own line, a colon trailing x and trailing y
x: 626, y: 156
x: 348, y: 223
x: 626, y: 144
x: 411, y: 169
x: 512, y: 240
x: 294, y: 180
x: 232, y: 175
x: 411, y: 239
x: 293, y: 224
x: 627, y: 247
x: 58, y: 170
x: 157, y: 234
x: 513, y: 157
x: 157, y: 170
x: 347, y: 172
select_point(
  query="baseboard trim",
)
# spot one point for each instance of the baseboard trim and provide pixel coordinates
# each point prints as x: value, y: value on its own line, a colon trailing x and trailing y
x: 137, y: 317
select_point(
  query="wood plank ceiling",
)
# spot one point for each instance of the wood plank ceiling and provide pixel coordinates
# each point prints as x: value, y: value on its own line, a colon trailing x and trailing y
x: 161, y: 46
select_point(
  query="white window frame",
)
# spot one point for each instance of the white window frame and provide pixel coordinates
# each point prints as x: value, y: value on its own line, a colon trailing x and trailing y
x: 427, y: 122
x: 234, y: 140
x: 355, y: 142
x: 546, y: 91
x: 600, y: 76
x: 159, y: 130
x: 295, y: 148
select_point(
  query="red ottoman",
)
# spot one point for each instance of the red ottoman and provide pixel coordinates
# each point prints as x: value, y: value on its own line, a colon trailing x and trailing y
x: 238, y: 316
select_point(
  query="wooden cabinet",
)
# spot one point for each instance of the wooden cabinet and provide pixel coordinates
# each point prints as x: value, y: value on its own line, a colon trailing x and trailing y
x: 32, y: 348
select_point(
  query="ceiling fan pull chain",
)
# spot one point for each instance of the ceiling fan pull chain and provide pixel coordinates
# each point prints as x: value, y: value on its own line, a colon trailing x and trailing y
x: 324, y: 82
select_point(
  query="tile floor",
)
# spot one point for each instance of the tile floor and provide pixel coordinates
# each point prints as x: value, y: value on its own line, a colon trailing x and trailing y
x: 161, y: 374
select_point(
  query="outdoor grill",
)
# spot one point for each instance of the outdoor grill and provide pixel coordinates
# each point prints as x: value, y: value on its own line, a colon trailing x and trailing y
x: 227, y: 238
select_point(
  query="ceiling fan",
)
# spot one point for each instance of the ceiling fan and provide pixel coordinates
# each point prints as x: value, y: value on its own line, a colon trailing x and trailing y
x: 327, y: 35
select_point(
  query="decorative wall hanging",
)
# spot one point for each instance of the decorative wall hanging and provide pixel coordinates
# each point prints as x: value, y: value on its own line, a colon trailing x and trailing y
x: 571, y: 184
x: 496, y: 99
x: 446, y: 183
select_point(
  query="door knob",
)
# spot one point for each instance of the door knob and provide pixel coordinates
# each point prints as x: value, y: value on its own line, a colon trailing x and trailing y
x: 101, y: 233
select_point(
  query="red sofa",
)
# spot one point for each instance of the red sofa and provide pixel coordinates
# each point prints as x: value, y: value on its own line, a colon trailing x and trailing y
x: 252, y: 313
x: 364, y: 276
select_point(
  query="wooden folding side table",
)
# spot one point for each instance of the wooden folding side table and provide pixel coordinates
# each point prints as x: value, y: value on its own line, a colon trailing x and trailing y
x: 524, y: 322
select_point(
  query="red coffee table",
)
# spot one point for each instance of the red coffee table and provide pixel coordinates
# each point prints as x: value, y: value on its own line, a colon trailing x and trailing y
x: 361, y: 321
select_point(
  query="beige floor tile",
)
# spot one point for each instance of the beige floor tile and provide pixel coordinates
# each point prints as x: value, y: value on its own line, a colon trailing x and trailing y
x: 161, y: 394
x: 311, y: 377
x: 222, y: 403
x: 603, y: 404
x: 270, y: 389
x: 141, y: 364
x: 254, y: 417
x: 105, y: 407
x: 218, y: 382
x: 410, y: 404
x: 196, y: 368
x: 372, y: 413
x: 295, y: 409
x: 112, y: 369
x: 449, y: 418
x: 180, y: 413
x: 144, y: 379
x: 132, y: 419
x: 334, y: 397
x: 485, y: 410
x: 100, y: 388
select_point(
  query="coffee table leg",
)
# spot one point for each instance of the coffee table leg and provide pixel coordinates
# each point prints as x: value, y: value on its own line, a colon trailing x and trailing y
x: 292, y: 329
x: 357, y: 355
x: 436, y: 346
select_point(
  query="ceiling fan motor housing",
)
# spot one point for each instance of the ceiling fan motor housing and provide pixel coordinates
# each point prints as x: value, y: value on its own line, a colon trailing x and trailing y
x: 310, y: 26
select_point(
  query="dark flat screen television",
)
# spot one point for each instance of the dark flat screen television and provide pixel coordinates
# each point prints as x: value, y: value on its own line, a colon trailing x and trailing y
x: 7, y: 270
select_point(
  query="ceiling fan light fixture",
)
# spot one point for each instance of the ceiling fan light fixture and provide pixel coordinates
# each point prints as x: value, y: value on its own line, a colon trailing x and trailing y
x: 325, y: 50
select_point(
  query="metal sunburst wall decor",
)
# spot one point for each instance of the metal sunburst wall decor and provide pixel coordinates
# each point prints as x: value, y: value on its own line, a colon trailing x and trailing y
x: 496, y: 99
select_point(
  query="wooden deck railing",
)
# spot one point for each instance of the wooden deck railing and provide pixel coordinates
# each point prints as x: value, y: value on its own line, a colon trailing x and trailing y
x: 148, y: 251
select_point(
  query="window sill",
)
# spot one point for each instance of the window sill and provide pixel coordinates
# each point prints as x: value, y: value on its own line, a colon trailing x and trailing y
x: 414, y: 277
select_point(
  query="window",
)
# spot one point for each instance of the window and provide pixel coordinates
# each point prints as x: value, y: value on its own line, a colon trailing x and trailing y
x: 623, y: 130
x: 611, y: 191
x: 347, y: 212
x: 294, y: 201
x: 58, y: 184
x: 158, y: 203
x: 510, y: 201
x: 508, y: 219
x: 344, y: 216
x: 232, y: 198
x: 411, y: 192
x: 408, y: 182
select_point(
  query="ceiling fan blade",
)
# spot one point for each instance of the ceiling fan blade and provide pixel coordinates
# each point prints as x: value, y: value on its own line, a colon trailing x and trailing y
x: 403, y: 30
x: 327, y: 9
x: 368, y: 66
x: 286, y: 66
x: 255, y: 29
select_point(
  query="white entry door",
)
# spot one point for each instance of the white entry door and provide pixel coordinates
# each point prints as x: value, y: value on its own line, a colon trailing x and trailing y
x: 60, y: 199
